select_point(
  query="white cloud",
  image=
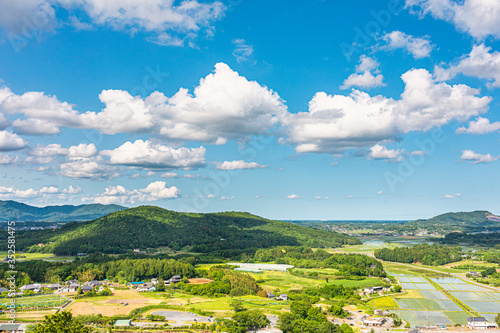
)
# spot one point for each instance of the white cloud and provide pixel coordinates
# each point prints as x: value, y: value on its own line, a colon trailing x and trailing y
x: 380, y: 192
x: 293, y: 196
x: 451, y: 196
x: 479, y: 126
x: 350, y: 196
x: 364, y: 77
x: 224, y: 106
x: 474, y: 158
x: 44, y: 192
x: 335, y: 123
x: 168, y: 175
x: 83, y: 150
x: 480, y: 62
x: 21, y: 20
x: 227, y: 198
x: 153, y: 192
x: 418, y: 153
x: 242, y: 51
x: 6, y: 159
x: 416, y: 46
x: 318, y: 197
x: 53, y: 149
x: 239, y: 165
x: 184, y: 19
x: 147, y: 154
x: 4, y: 123
x: 479, y: 18
x: 380, y: 152
x: 88, y: 168
x: 11, y: 141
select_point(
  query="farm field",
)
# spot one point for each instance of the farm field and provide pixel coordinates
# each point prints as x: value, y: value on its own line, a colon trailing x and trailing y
x: 434, y: 306
x: 43, y: 301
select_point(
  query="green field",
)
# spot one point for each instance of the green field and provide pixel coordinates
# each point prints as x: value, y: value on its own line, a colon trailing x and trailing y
x: 44, y: 301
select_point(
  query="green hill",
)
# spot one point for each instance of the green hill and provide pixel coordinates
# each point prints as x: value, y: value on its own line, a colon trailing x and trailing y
x: 152, y: 227
x: 20, y: 212
x: 462, y: 221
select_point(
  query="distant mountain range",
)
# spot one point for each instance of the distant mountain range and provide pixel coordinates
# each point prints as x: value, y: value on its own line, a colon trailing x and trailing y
x: 20, y: 212
x: 462, y: 221
x: 144, y: 227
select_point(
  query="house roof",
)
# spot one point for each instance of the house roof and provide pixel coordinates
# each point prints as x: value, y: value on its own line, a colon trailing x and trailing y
x: 123, y: 322
x: 476, y: 319
x: 9, y: 327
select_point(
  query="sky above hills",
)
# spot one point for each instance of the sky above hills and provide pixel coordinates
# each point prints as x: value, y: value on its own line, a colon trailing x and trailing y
x: 314, y: 109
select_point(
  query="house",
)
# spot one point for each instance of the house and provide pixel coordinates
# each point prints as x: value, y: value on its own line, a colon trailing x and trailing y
x: 270, y: 295
x: 94, y: 283
x: 2, y: 290
x: 373, y: 290
x: 13, y: 328
x: 123, y: 323
x: 379, y: 321
x: 54, y: 286
x: 282, y: 297
x: 480, y: 323
x: 415, y: 331
x: 81, y: 254
x: 373, y: 266
x: 86, y: 289
x: 474, y: 274
x: 31, y: 287
x: 381, y: 312
x: 154, y: 281
x: 72, y: 281
x: 175, y: 279
x: 136, y: 284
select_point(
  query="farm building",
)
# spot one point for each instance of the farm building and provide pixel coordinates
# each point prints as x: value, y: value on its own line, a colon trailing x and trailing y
x: 374, y: 321
x: 123, y: 323
x: 373, y: 290
x: 14, y: 328
x: 480, y: 323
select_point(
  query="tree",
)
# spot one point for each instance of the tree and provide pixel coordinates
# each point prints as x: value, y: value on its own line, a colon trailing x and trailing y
x: 61, y: 323
x: 250, y: 320
x: 497, y: 319
x: 238, y: 306
x: 397, y: 288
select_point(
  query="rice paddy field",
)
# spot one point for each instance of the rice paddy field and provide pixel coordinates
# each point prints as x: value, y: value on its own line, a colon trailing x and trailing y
x: 427, y: 303
x: 43, y: 301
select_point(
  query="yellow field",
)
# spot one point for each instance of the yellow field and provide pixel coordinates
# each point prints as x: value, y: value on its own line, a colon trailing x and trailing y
x: 109, y: 305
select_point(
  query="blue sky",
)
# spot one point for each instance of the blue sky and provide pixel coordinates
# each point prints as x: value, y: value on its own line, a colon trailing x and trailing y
x: 286, y: 109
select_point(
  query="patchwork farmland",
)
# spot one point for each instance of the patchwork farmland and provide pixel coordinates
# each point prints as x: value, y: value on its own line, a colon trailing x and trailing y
x: 429, y: 303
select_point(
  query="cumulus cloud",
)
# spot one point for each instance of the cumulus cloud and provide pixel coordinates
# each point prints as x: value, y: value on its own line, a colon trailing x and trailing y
x: 335, y: 123
x: 11, y: 141
x: 153, y: 192
x: 151, y: 155
x: 378, y: 152
x: 479, y: 126
x: 293, y: 196
x: 4, y: 123
x: 239, y: 165
x: 480, y: 62
x: 88, y: 168
x: 479, y: 18
x: 7, y: 159
x: 53, y: 149
x: 451, y: 196
x: 364, y: 76
x: 416, y: 46
x: 227, y: 197
x: 46, y: 191
x: 475, y: 158
x: 224, y: 106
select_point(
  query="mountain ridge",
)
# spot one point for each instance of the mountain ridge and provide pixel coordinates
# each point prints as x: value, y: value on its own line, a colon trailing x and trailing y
x: 153, y: 227
x: 11, y: 210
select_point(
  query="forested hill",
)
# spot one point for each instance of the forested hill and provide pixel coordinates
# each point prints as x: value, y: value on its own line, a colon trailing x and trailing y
x: 152, y: 227
x: 20, y: 212
x: 463, y: 221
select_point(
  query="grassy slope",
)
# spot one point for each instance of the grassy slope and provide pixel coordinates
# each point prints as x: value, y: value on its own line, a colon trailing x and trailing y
x: 150, y: 226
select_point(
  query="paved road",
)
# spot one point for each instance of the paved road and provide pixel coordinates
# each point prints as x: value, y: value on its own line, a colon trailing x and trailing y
x: 181, y: 317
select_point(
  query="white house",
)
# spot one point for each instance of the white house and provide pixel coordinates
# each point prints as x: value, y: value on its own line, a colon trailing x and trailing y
x: 480, y: 323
